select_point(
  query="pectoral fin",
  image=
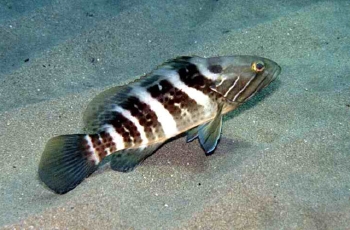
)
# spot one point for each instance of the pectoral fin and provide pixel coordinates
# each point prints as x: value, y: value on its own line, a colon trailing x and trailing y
x: 192, y: 134
x: 209, y: 133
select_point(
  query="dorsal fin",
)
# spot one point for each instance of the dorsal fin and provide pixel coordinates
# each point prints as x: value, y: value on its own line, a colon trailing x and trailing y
x: 103, y: 102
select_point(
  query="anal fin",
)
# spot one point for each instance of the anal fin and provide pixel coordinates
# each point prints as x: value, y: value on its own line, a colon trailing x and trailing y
x: 126, y: 160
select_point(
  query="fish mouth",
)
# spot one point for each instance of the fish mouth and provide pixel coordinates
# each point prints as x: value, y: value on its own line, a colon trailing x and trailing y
x: 277, y: 70
x: 269, y: 78
x: 265, y: 82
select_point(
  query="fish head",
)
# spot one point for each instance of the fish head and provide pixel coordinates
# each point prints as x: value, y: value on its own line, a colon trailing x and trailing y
x: 238, y: 78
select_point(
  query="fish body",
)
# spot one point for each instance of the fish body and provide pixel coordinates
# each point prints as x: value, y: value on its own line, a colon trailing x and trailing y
x: 185, y: 94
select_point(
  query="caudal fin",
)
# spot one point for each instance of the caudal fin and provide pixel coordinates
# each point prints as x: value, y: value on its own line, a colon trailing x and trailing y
x: 64, y: 163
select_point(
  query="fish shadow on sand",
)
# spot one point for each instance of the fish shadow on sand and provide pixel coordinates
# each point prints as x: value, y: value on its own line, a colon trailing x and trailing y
x: 255, y: 100
x: 190, y: 156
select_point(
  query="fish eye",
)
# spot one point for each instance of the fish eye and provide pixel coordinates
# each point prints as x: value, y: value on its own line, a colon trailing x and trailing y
x: 258, y: 66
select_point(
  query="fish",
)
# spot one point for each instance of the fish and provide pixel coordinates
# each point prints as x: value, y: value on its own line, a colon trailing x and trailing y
x: 185, y: 95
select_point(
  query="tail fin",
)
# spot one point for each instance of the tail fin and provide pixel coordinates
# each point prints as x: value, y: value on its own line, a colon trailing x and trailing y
x: 64, y: 163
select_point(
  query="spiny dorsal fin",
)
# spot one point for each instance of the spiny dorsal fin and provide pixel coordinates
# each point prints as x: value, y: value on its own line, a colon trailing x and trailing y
x: 99, y: 109
x: 176, y: 62
x: 127, y: 160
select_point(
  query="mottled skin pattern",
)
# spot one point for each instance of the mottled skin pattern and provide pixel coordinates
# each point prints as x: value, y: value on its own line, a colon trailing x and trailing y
x: 185, y: 111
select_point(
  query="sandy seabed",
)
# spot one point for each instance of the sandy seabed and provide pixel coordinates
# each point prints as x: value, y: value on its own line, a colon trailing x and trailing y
x: 284, y: 158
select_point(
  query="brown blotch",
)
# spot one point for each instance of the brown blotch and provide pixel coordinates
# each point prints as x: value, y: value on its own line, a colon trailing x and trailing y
x: 95, y: 140
x: 86, y: 153
x: 98, y: 149
x: 125, y: 134
x: 102, y: 154
x: 191, y: 76
x: 137, y: 141
x: 148, y: 129
x: 142, y: 121
x: 104, y: 135
x: 173, y: 110
x: 149, y: 122
x: 185, y: 102
x: 122, y: 124
x: 85, y: 145
x: 127, y: 144
x: 113, y: 148
x: 144, y: 114
x: 168, y: 95
x: 160, y: 89
x: 107, y: 143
